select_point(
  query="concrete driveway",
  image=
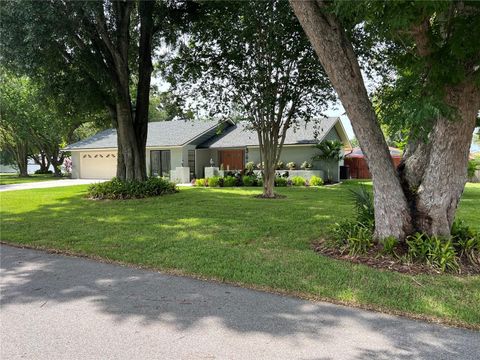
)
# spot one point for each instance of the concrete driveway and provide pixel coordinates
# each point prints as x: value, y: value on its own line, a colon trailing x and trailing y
x: 57, y: 307
x: 48, y: 184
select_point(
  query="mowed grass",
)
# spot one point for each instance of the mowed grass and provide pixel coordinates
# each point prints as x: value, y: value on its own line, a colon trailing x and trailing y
x: 7, y: 179
x: 228, y: 235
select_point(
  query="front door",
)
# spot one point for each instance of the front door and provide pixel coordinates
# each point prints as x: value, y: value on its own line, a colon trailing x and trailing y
x: 232, y: 159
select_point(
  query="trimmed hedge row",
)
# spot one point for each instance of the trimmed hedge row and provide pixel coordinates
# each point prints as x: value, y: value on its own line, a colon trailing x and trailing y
x: 252, y: 180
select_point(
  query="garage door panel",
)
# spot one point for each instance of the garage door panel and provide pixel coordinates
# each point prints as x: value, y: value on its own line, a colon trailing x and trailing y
x: 98, y: 165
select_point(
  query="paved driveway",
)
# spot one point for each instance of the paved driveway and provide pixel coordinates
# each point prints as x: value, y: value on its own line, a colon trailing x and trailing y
x: 48, y: 184
x: 56, y: 307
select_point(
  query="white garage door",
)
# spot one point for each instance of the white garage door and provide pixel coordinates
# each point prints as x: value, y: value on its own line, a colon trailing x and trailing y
x: 98, y: 164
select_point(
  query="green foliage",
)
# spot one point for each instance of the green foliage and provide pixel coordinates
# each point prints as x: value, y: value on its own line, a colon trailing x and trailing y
x: 43, y: 172
x: 200, y: 182
x: 363, y: 201
x: 435, y: 251
x: 249, y: 180
x: 331, y: 150
x: 389, y: 245
x: 354, y: 237
x: 298, y: 181
x: 280, y: 181
x: 316, y: 181
x: 214, y: 181
x: 473, y: 165
x: 116, y: 189
x: 229, y: 181
x: 466, y: 242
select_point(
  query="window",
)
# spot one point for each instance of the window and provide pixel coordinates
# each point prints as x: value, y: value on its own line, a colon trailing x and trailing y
x: 191, y: 163
x: 160, y: 163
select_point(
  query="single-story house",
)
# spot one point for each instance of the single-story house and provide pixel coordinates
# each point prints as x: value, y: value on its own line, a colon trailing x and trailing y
x: 196, y: 145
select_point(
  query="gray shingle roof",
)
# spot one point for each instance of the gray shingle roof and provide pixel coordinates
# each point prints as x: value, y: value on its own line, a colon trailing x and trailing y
x: 304, y: 133
x: 162, y: 133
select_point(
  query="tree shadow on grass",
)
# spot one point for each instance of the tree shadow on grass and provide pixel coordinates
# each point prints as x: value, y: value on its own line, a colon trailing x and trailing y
x: 33, y: 277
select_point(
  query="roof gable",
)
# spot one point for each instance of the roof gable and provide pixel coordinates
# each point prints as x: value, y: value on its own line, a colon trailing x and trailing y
x: 240, y: 135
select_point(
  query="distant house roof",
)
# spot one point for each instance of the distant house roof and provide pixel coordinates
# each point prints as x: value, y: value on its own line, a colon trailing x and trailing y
x: 304, y: 133
x: 162, y: 133
x: 358, y: 153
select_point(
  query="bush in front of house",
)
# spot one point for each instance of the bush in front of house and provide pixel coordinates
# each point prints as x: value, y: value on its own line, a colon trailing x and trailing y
x: 298, y: 181
x: 249, y: 180
x: 215, y: 181
x: 200, y: 182
x: 280, y: 181
x: 116, y: 189
x: 316, y: 181
x: 43, y: 172
x: 230, y: 181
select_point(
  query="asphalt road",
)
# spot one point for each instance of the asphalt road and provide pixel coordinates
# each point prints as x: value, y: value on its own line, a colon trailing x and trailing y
x: 57, y: 307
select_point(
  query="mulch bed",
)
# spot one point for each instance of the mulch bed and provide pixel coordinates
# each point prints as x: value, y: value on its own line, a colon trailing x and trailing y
x: 277, y: 196
x: 385, y: 262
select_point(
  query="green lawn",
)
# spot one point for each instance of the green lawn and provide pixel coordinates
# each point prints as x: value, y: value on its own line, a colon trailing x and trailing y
x: 228, y: 235
x: 7, y: 179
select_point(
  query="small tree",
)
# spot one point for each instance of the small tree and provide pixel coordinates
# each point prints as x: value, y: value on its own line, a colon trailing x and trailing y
x: 251, y: 60
x: 331, y: 151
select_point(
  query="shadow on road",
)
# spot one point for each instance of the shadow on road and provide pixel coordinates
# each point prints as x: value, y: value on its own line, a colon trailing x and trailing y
x: 36, y: 277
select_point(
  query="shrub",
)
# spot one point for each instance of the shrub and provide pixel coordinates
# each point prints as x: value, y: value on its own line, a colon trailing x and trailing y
x: 435, y: 251
x: 466, y: 242
x: 260, y: 166
x: 389, y: 245
x: 472, y: 167
x: 298, y: 181
x: 230, y: 181
x: 214, y: 181
x: 43, y: 172
x: 363, y: 201
x: 249, y: 180
x: 354, y: 237
x: 306, y: 165
x: 280, y: 181
x: 200, y: 182
x: 316, y: 181
x: 291, y: 165
x: 260, y: 181
x: 116, y: 189
x: 280, y: 165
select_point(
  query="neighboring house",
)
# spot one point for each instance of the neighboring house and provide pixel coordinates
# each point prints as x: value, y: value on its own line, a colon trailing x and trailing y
x: 195, y: 144
x: 357, y: 163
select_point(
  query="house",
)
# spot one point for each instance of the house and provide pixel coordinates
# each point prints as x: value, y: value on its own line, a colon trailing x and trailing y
x: 357, y: 164
x: 183, y: 149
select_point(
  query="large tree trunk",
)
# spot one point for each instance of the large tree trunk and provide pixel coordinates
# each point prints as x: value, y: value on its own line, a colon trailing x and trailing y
x: 392, y: 215
x: 127, y: 142
x: 145, y: 69
x: 21, y: 158
x: 437, y: 170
